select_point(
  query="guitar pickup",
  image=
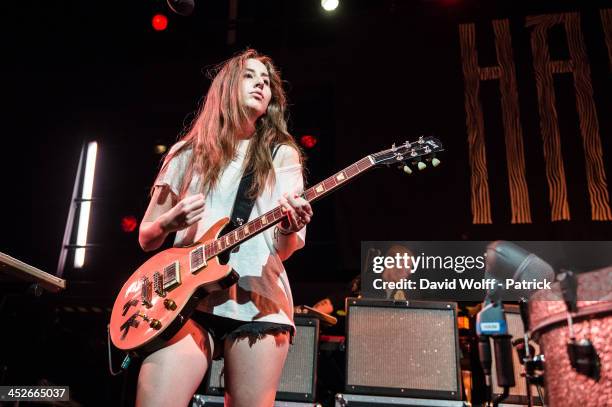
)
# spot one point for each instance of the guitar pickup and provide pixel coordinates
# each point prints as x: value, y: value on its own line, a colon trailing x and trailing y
x: 172, y: 276
x: 197, y: 260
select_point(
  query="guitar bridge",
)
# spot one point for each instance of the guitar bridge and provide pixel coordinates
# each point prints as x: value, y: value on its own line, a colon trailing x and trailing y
x: 146, y: 292
x: 158, y: 284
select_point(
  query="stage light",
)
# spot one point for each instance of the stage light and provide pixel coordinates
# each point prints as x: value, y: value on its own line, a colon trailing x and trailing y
x: 160, y: 148
x: 86, y: 194
x: 181, y: 7
x: 308, y: 141
x: 329, y: 5
x: 129, y: 224
x: 159, y: 22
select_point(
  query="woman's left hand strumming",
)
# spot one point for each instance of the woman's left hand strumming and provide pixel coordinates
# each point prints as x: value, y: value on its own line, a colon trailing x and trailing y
x: 298, y: 210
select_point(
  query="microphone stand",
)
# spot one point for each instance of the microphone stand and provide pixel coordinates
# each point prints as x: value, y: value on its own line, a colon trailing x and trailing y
x: 531, y: 362
x: 491, y: 322
x: 508, y: 259
x: 524, y: 310
x: 503, y: 365
x: 484, y: 354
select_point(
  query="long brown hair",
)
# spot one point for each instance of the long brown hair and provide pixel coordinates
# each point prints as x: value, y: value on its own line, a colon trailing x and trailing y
x: 212, y: 136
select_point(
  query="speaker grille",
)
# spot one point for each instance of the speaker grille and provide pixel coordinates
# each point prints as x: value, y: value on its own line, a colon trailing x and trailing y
x: 299, y: 370
x: 402, y: 348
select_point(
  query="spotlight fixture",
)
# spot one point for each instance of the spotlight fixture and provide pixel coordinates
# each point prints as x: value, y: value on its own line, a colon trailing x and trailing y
x: 329, y: 5
x: 181, y: 7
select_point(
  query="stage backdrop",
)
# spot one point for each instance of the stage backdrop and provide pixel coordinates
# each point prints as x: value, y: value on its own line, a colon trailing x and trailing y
x: 518, y: 92
x: 520, y: 98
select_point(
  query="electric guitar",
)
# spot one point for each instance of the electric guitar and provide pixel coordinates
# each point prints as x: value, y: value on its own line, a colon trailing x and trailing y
x: 156, y: 301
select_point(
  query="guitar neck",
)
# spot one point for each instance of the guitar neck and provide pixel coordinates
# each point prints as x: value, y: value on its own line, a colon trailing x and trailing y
x: 269, y: 219
x: 338, y: 179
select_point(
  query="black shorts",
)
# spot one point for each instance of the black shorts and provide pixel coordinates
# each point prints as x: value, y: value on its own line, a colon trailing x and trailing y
x: 221, y: 328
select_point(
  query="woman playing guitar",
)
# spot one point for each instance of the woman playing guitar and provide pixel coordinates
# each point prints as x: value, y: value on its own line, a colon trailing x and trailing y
x: 241, y: 128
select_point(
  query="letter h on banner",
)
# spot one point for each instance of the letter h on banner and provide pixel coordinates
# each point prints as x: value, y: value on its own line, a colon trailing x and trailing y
x: 505, y: 72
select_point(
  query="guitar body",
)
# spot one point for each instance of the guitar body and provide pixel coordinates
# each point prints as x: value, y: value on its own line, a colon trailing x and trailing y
x: 145, y: 318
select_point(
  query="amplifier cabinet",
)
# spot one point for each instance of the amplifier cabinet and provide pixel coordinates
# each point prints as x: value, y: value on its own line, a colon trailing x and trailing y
x: 298, y: 380
x: 359, y: 400
x: 403, y: 349
x: 202, y: 400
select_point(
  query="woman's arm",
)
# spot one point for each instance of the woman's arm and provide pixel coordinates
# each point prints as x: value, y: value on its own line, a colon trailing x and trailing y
x: 286, y: 243
x: 299, y: 211
x: 162, y: 218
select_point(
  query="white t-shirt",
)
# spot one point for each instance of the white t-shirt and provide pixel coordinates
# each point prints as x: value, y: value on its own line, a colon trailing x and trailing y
x: 262, y: 293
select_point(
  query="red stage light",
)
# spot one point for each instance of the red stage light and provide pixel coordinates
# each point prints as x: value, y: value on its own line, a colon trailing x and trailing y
x: 159, y: 22
x: 128, y: 224
x: 308, y: 141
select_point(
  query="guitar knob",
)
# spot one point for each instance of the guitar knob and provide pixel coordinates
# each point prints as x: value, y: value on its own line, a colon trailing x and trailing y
x: 421, y: 165
x: 435, y: 162
x: 407, y: 170
x: 170, y: 304
x: 155, y: 324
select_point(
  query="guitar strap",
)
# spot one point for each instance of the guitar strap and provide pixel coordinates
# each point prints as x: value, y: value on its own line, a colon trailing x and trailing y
x: 243, y: 205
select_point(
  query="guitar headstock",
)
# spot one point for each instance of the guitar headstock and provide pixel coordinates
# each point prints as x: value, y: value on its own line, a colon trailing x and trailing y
x: 419, y: 154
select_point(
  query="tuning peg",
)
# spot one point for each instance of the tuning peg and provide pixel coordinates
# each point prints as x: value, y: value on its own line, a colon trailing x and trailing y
x: 407, y: 170
x: 421, y: 166
x: 435, y: 162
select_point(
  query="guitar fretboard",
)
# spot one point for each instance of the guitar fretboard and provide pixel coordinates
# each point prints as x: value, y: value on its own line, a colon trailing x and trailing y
x: 270, y: 218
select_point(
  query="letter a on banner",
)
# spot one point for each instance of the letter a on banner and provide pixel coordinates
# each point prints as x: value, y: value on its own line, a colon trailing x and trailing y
x: 578, y: 65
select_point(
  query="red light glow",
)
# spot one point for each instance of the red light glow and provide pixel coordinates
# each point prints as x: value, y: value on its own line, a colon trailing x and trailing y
x: 308, y: 141
x: 128, y: 224
x: 159, y: 22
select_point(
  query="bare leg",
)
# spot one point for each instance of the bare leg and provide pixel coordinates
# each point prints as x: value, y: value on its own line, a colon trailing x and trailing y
x: 170, y: 376
x: 252, y: 373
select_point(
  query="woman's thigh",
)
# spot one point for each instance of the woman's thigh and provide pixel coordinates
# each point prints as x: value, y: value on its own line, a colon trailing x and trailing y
x: 252, y: 372
x: 171, y: 375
